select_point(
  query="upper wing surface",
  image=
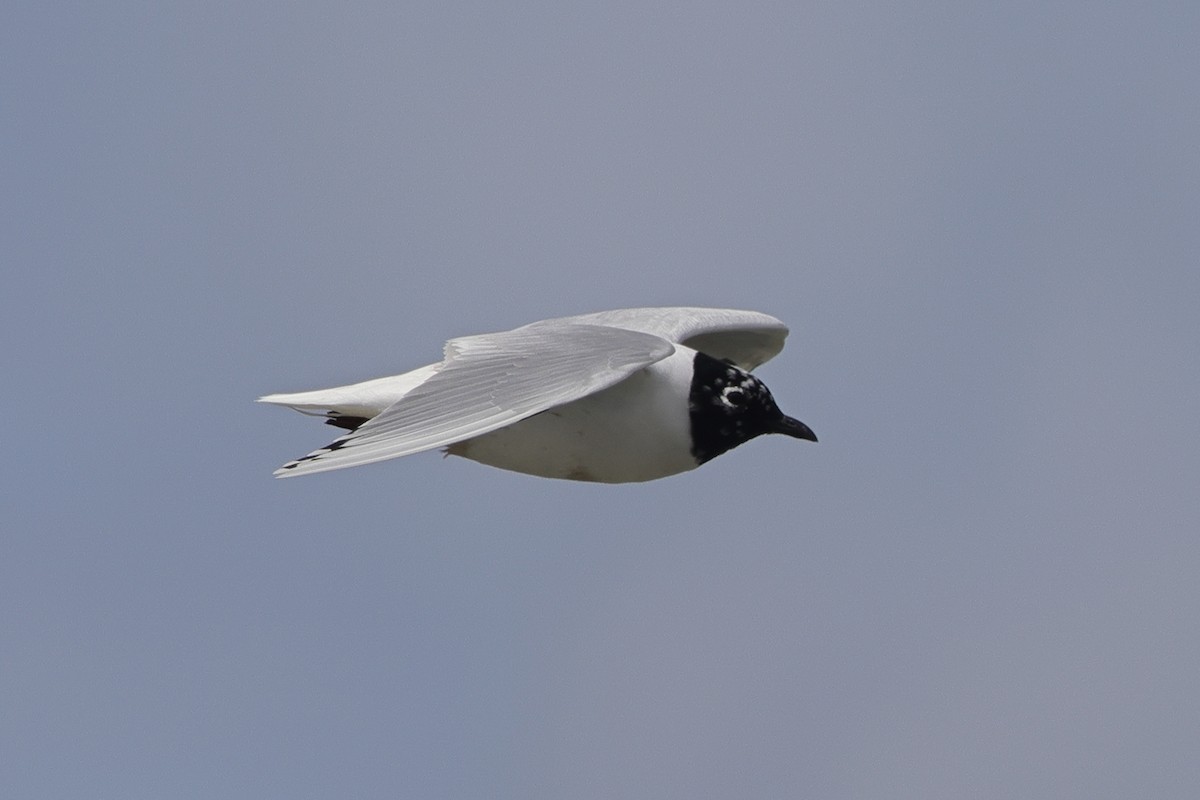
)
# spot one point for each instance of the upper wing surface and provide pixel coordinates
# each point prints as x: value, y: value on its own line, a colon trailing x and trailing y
x: 747, y: 338
x: 489, y: 381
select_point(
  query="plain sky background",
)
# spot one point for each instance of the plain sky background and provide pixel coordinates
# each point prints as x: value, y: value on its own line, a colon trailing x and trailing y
x: 979, y: 220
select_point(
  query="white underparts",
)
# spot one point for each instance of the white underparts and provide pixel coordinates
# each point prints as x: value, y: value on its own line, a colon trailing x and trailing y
x: 637, y: 430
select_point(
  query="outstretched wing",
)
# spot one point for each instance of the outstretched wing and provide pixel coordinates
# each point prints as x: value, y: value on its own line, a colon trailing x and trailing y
x: 489, y: 381
x: 747, y: 338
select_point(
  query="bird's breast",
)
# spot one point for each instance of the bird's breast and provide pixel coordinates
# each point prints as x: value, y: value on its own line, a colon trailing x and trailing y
x: 637, y: 430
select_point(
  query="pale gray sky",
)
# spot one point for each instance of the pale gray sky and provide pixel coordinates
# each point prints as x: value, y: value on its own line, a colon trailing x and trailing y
x: 979, y: 221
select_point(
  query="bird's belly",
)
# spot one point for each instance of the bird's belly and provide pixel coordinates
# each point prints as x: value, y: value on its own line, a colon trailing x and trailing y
x: 638, y: 430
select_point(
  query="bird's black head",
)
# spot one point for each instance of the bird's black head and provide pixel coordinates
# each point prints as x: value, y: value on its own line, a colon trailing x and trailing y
x: 729, y: 406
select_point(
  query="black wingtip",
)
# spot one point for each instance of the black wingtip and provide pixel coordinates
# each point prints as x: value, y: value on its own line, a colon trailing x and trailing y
x: 347, y: 422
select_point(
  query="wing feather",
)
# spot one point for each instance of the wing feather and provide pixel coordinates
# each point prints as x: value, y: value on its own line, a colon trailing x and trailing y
x: 747, y: 338
x: 489, y: 381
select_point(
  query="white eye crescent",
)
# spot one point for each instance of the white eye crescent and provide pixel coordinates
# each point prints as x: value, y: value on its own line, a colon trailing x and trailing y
x: 733, y: 396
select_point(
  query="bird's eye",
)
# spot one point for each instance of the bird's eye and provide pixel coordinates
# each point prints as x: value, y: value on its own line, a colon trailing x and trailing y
x: 735, y: 397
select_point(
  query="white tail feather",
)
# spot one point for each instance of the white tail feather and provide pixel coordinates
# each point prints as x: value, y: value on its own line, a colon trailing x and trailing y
x: 366, y: 399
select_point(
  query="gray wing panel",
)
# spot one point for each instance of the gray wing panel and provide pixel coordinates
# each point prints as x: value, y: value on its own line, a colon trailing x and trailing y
x: 747, y: 338
x: 489, y: 381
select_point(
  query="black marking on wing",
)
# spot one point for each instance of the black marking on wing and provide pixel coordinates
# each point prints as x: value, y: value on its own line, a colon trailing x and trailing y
x: 345, y: 421
x: 337, y: 444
